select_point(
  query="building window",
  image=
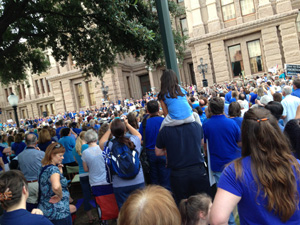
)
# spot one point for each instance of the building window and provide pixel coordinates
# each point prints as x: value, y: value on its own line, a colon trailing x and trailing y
x: 6, y: 94
x: 247, y: 7
x: 41, y: 109
x: 48, y: 85
x: 228, y: 9
x: 37, y: 86
x: 298, y: 22
x: 236, y: 60
x: 91, y: 93
x: 24, y: 90
x: 52, y: 108
x: 42, y: 85
x: 180, y: 1
x: 48, y: 109
x: 80, y: 95
x: 10, y: 90
x: 184, y: 27
x: 256, y: 62
x: 19, y: 91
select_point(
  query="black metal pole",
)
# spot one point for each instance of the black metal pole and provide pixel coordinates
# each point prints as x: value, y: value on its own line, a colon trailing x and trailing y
x: 16, y: 116
x: 167, y: 35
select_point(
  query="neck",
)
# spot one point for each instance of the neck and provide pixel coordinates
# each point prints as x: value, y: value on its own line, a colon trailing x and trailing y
x: 93, y: 144
x: 154, y: 114
x: 20, y: 205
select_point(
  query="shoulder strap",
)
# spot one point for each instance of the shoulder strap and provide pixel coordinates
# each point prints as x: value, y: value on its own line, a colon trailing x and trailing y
x: 144, y: 130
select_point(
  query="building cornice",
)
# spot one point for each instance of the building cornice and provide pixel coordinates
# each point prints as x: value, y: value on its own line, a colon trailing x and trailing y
x: 25, y: 103
x: 241, y: 29
x: 65, y: 75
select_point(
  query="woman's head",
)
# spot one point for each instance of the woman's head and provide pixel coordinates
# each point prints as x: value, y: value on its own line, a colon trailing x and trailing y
x: 90, y: 136
x: 169, y: 85
x: 234, y: 109
x: 152, y: 205
x: 118, y: 128
x: 44, y: 136
x: 65, y: 132
x: 12, y: 181
x: 132, y: 120
x: 104, y: 127
x: 19, y: 138
x: 195, y: 209
x: 54, y: 154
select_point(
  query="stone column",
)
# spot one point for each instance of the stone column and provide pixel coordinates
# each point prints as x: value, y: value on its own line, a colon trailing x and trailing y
x: 219, y: 57
x: 264, y: 9
x: 271, y: 48
x: 283, y: 6
x: 151, y: 77
x: 59, y: 98
x: 213, y: 19
x: 194, y: 18
x: 290, y: 42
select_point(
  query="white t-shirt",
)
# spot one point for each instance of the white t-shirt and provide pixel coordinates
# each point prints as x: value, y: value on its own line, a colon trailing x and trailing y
x: 93, y: 157
x: 290, y: 104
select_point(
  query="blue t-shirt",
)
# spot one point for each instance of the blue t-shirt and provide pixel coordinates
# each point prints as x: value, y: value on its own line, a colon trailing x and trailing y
x: 69, y: 143
x: 22, y: 216
x: 232, y: 100
x: 222, y: 135
x: 251, y: 207
x: 44, y: 146
x: 178, y: 108
x: 76, y: 130
x: 195, y: 104
x: 253, y: 97
x: 152, y: 129
x: 59, y: 210
x: 238, y: 120
x: 228, y: 96
x: 4, y: 157
x: 18, y: 147
x: 296, y: 93
x: 78, y: 157
x: 57, y: 132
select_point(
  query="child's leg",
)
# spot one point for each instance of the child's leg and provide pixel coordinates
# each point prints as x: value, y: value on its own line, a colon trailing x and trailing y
x: 169, y: 122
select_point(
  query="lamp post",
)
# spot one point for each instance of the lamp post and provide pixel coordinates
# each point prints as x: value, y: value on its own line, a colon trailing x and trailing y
x: 13, y: 101
x: 104, y: 90
x: 202, y: 68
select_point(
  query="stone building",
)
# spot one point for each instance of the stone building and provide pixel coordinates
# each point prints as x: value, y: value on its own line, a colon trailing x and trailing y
x: 242, y: 37
x: 232, y: 36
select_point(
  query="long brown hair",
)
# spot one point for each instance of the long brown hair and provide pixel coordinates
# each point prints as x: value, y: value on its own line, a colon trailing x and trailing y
x: 118, y: 129
x: 272, y: 162
x: 169, y: 85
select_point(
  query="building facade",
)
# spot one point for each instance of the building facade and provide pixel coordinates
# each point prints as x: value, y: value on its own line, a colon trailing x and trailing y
x: 242, y: 37
x: 234, y: 37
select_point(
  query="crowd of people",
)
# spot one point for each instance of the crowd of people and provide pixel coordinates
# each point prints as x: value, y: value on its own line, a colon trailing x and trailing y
x: 156, y: 160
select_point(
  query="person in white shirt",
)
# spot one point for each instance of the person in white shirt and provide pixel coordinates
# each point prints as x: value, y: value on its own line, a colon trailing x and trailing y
x: 290, y: 104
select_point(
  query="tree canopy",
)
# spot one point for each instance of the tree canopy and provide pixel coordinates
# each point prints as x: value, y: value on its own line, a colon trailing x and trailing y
x: 94, y: 32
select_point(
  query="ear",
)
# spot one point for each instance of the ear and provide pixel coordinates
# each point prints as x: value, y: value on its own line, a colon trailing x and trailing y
x: 24, y: 190
x: 202, y: 215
